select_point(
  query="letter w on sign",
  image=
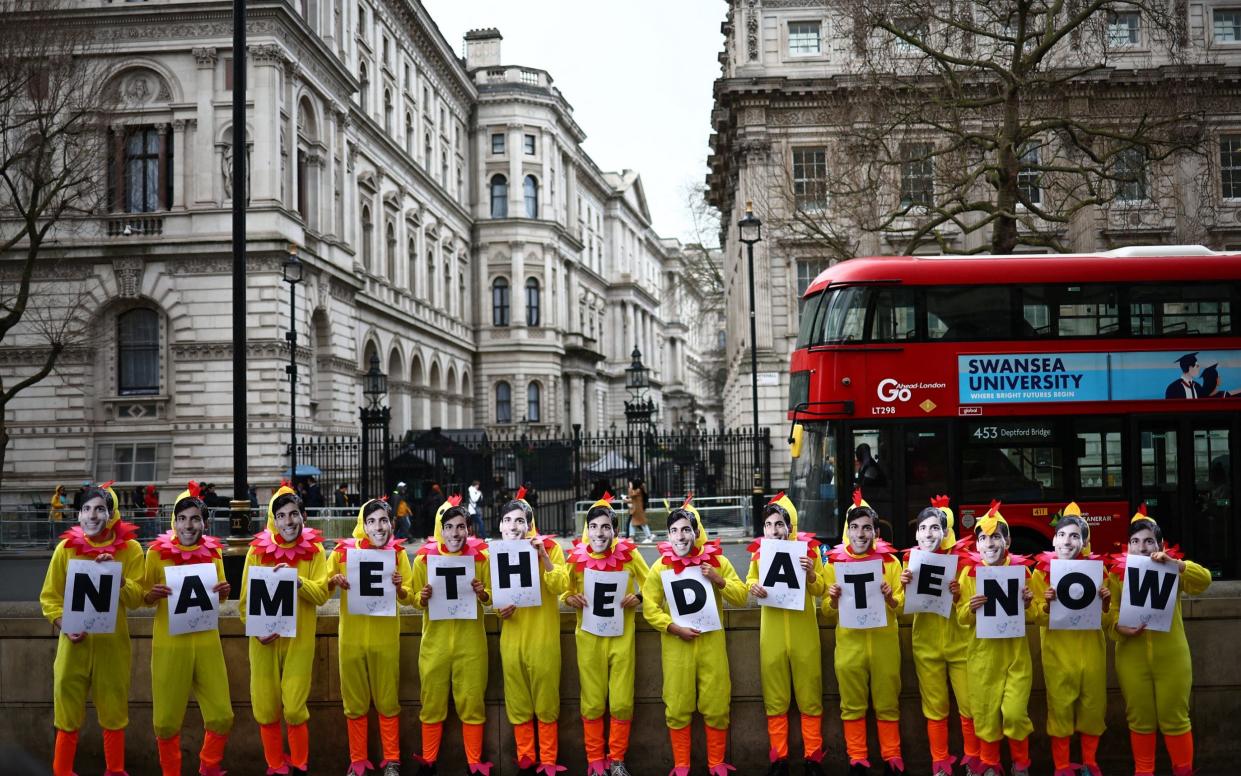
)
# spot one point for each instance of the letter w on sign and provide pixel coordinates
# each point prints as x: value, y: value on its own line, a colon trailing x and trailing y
x: 1149, y: 595
x: 92, y: 593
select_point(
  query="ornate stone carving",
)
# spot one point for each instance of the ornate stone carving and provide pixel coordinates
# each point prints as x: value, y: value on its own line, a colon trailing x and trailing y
x: 267, y: 54
x: 205, y: 56
x: 128, y: 274
x: 202, y: 351
x: 178, y: 125
x: 217, y: 265
x: 751, y: 30
x: 336, y: 364
x: 795, y: 4
x: 342, y: 291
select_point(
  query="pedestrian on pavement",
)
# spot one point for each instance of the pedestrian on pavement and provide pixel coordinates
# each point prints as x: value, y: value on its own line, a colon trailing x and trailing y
x: 474, y: 498
x: 637, y: 511
x: 150, y: 500
x: 57, y: 512
x: 404, y: 515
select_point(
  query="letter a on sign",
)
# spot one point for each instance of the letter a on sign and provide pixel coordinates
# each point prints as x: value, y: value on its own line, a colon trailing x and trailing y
x: 271, y: 602
x: 92, y: 592
x: 691, y: 599
x: 192, y: 606
x: 1149, y: 595
x: 781, y: 574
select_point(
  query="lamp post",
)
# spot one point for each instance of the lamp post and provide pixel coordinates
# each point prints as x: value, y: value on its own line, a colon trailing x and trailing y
x: 374, y: 417
x: 640, y: 407
x: 750, y: 231
x: 292, y: 275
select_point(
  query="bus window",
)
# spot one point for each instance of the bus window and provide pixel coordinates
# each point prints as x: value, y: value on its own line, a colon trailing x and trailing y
x: 1211, y: 527
x: 1180, y: 310
x: 846, y: 316
x: 1158, y: 461
x: 994, y: 469
x: 894, y: 317
x: 810, y: 311
x: 812, y: 481
x: 1070, y: 311
x: 969, y: 312
x: 1098, y: 460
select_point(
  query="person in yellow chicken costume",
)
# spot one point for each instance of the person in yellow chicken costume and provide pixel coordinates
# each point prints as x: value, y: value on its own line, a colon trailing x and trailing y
x: 790, y: 654
x: 1000, y: 669
x: 187, y: 661
x: 868, y: 660
x: 695, y: 664
x: 941, y: 651
x: 97, y: 663
x: 1154, y: 669
x: 605, y: 664
x: 453, y: 653
x: 280, y: 668
x: 530, y: 648
x: 1074, y: 661
x: 369, y: 646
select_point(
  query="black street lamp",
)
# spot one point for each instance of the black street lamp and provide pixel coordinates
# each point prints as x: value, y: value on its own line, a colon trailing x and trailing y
x: 374, y: 420
x: 750, y: 231
x: 640, y: 408
x: 292, y: 275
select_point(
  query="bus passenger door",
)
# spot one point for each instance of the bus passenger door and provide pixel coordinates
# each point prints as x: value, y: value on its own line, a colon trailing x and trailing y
x: 926, y: 475
x: 1159, y: 459
x: 875, y: 461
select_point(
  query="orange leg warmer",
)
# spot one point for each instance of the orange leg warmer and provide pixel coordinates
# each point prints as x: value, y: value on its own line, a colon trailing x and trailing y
x: 169, y: 755
x: 890, y: 743
x: 1020, y: 752
x: 855, y: 740
x: 432, y: 735
x: 273, y: 746
x: 970, y: 741
x: 717, y: 745
x: 1060, y: 756
x: 618, y: 738
x: 114, y: 750
x: 299, y: 745
x: 524, y: 735
x: 1143, y: 746
x: 212, y: 752
x: 473, y: 738
x: 592, y: 737
x: 390, y: 739
x: 1090, y: 750
x: 549, y: 742
x: 680, y: 746
x: 358, y: 763
x: 812, y: 737
x: 937, y: 735
x: 1181, y: 752
x: 989, y: 753
x: 66, y: 749
x: 778, y: 736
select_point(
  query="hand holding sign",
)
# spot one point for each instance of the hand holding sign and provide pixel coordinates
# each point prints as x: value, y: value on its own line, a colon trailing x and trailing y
x: 1149, y: 595
x: 192, y: 605
x: 930, y: 578
x: 271, y: 608
x: 369, y: 574
x: 1076, y: 605
x: 1002, y: 614
x: 92, y: 595
x: 452, y: 591
x: 603, y: 614
x: 691, y: 600
x: 515, y: 574
x: 861, y: 602
x: 781, y: 574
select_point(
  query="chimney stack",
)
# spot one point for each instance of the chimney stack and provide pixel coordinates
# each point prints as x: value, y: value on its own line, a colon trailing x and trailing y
x: 482, y: 48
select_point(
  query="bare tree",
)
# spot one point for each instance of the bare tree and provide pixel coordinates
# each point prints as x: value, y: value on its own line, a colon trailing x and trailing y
x: 51, y: 146
x: 1018, y: 120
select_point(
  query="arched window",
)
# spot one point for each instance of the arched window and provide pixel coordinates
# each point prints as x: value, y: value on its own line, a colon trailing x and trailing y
x: 499, y: 196
x: 364, y: 84
x: 388, y: 111
x: 534, y: 395
x: 532, y: 197
x: 137, y: 345
x: 504, y: 403
x: 499, y: 302
x: 532, y: 302
x: 390, y: 257
x: 368, y: 233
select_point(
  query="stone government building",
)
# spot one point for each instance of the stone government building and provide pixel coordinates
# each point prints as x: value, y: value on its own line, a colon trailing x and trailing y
x: 449, y: 219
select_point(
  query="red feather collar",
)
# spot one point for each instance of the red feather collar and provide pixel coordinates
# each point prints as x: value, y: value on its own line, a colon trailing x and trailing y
x: 473, y: 546
x: 620, y: 554
x: 709, y: 554
x: 344, y: 545
x: 166, y: 544
x: 122, y: 533
x: 269, y: 549
x: 1116, y: 562
x: 812, y: 544
x: 881, y: 550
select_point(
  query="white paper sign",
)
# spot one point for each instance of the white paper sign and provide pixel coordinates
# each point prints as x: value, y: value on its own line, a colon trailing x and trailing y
x: 515, y: 578
x: 1077, y: 605
x: 1149, y: 594
x: 369, y: 574
x: 452, y: 594
x: 861, y: 604
x: 271, y: 602
x: 604, y: 591
x: 691, y: 599
x: 193, y: 606
x: 928, y: 591
x: 781, y: 575
x: 1003, y: 616
x: 92, y: 595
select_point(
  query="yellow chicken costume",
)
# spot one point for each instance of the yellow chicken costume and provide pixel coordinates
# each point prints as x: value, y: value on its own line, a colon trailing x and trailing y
x: 280, y: 671
x: 1074, y: 669
x: 530, y: 659
x: 868, y: 660
x: 100, y: 662
x: 1155, y: 670
x: 941, y: 654
x: 453, y: 654
x: 605, y: 665
x: 188, y: 661
x: 695, y: 673
x: 790, y: 654
x: 1000, y: 669
x: 368, y: 647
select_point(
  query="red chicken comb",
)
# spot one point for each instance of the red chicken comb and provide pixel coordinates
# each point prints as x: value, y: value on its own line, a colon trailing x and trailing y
x: 607, y: 496
x: 1142, y: 509
x: 688, y: 498
x: 284, y: 483
x: 857, y: 497
x: 384, y: 498
x: 107, y: 484
x: 777, y: 497
x: 939, y: 502
x: 521, y: 493
x: 995, y: 505
x: 454, y: 500
x: 194, y: 488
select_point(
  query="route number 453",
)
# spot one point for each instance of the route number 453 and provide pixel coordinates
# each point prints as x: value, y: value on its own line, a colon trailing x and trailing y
x: 986, y: 432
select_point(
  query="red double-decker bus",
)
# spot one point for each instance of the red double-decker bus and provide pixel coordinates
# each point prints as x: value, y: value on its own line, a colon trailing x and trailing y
x: 1109, y: 379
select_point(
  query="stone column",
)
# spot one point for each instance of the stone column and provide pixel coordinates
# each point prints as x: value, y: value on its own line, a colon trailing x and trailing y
x: 204, y: 136
x: 516, y: 202
x: 517, y: 286
x: 179, y: 161
x: 267, y: 59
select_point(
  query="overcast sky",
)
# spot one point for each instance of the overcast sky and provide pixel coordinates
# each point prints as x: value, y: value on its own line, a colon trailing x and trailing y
x: 637, y: 73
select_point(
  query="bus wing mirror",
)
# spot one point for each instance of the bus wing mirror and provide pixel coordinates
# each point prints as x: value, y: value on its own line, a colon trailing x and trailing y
x: 795, y: 440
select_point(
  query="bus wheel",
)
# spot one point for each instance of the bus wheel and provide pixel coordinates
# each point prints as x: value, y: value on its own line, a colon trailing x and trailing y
x: 1029, y: 543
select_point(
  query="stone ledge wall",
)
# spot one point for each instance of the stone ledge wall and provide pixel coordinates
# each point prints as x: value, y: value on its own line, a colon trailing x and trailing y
x: 27, y: 648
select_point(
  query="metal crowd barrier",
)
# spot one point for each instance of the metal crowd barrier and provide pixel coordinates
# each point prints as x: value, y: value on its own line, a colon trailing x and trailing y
x: 721, y: 515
